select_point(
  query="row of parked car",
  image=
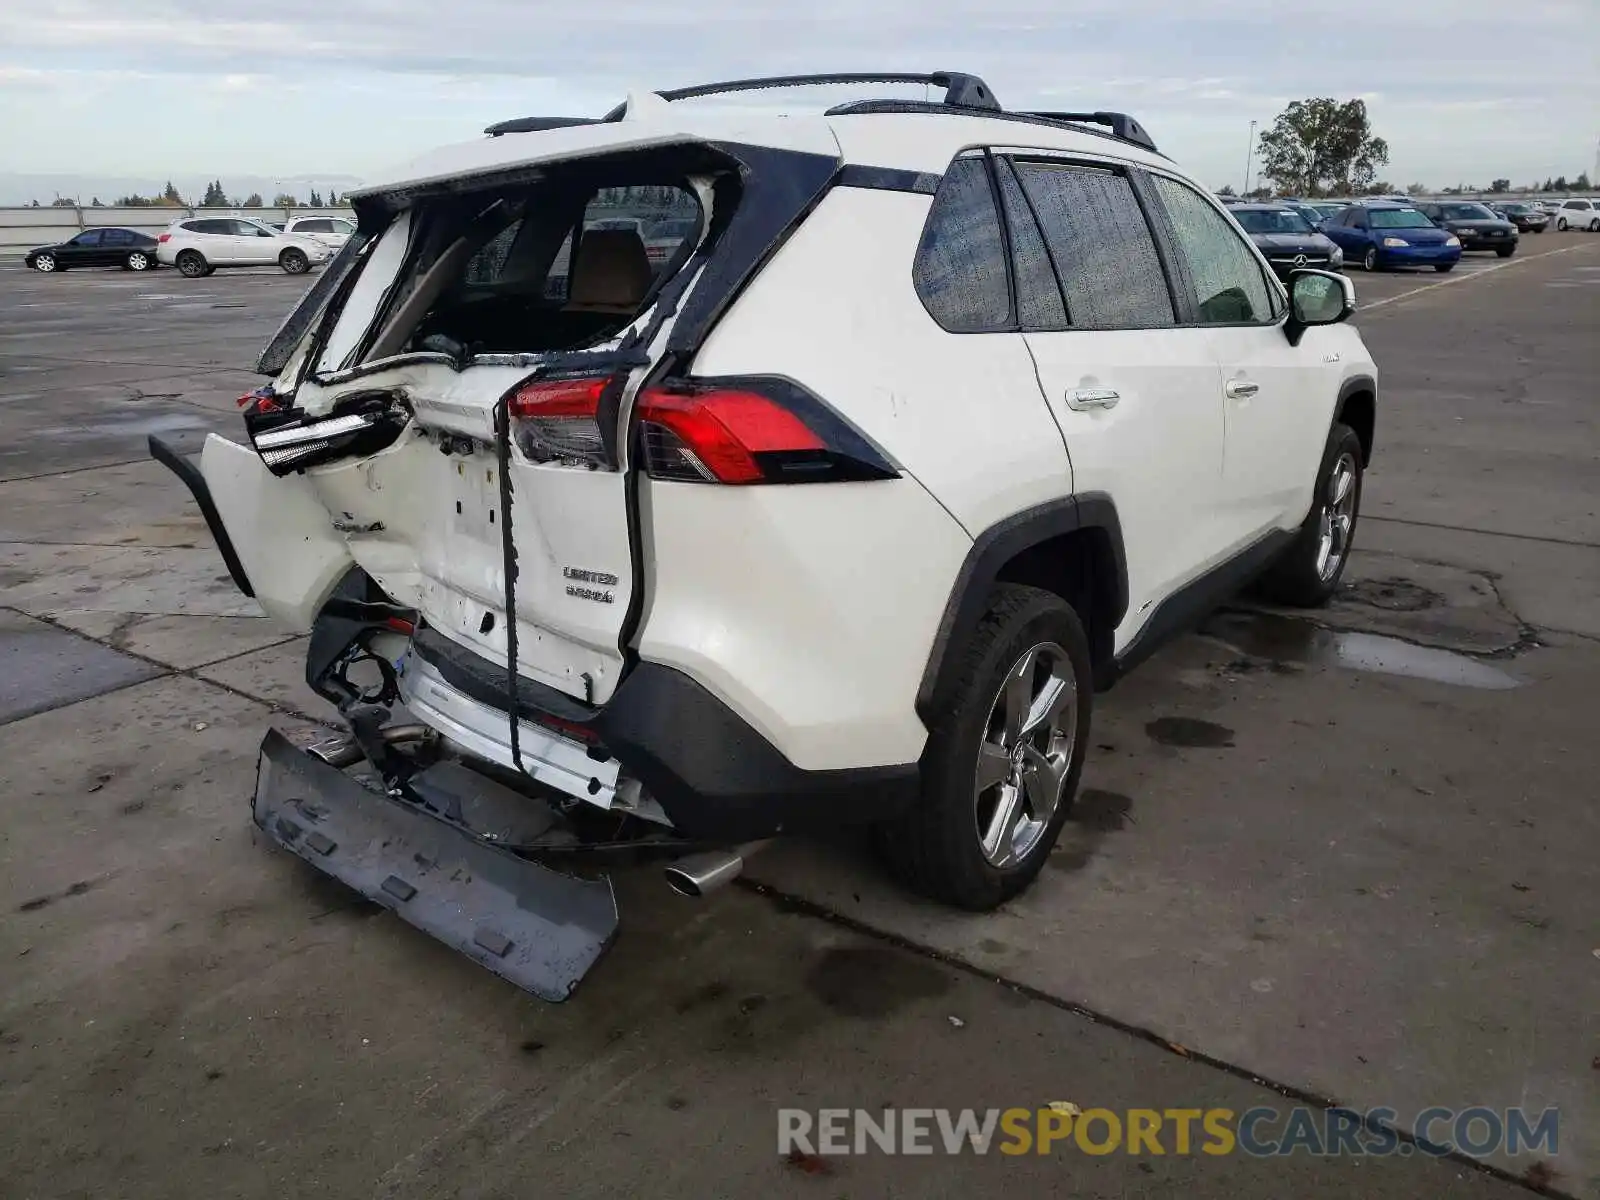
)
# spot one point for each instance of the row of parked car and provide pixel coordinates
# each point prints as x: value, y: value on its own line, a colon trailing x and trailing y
x: 197, y: 246
x: 1392, y: 231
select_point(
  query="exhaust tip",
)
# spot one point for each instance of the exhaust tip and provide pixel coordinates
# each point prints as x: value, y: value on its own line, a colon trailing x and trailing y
x: 698, y: 875
x: 683, y: 883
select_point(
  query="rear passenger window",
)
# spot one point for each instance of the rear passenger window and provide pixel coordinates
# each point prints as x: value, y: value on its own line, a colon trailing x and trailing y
x: 1226, y: 278
x: 1102, y: 248
x: 1039, y: 305
x: 960, y: 271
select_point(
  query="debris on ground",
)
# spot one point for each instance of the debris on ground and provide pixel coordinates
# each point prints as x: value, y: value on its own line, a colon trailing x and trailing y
x: 958, y: 1022
x: 1066, y: 1106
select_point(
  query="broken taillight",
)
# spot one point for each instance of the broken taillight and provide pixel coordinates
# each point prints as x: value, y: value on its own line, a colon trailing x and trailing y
x: 751, y: 430
x: 556, y: 420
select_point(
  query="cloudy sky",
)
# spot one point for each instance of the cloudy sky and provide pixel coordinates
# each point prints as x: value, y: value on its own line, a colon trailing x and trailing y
x: 1464, y: 90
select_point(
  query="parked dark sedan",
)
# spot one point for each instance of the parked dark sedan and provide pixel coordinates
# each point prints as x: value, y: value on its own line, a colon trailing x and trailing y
x: 125, y: 248
x: 1527, y: 218
x: 1475, y: 225
x: 1286, y: 238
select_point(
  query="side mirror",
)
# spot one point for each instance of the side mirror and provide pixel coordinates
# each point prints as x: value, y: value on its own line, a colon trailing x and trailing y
x: 1317, y: 298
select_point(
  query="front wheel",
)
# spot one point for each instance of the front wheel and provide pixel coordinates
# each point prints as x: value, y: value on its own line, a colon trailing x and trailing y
x: 46, y: 264
x: 192, y: 265
x: 1307, y: 574
x: 294, y: 262
x: 1004, y: 753
x: 138, y: 261
x: 1369, y: 260
x: 1561, y: 225
x: 1505, y: 251
x: 1594, y: 225
x: 1444, y: 268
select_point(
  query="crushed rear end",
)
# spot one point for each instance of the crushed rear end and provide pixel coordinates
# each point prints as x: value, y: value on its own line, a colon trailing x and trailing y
x: 439, y: 484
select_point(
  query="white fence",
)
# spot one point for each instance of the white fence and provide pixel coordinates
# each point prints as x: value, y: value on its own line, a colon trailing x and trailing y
x: 21, y: 229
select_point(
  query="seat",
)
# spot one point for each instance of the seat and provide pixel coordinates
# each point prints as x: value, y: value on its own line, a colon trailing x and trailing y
x: 610, y: 273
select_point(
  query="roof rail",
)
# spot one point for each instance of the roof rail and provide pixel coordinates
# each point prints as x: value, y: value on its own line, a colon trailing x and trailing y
x: 962, y: 91
x: 538, y: 124
x: 1132, y: 132
x: 1121, y: 125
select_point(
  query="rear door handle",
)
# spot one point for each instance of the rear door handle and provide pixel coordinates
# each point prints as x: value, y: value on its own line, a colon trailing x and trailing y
x: 1239, y: 389
x: 1084, y: 399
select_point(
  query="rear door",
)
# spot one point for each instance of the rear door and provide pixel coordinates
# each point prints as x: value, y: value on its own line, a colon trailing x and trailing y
x: 1273, y: 394
x: 1135, y: 395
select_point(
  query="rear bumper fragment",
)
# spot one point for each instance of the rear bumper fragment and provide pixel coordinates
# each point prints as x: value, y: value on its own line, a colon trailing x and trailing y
x: 168, y: 456
x: 714, y: 775
x: 539, y: 929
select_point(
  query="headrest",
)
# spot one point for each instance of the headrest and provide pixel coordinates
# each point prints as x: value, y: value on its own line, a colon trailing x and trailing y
x: 611, y: 270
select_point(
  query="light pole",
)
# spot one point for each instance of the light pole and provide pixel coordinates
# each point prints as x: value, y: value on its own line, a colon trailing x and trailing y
x: 1248, y: 147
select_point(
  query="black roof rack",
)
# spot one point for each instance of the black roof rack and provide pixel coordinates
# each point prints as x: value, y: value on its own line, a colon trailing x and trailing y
x: 1132, y: 133
x: 1121, y: 125
x: 963, y: 92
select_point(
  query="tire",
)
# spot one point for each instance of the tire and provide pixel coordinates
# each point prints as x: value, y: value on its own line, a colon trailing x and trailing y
x: 294, y: 261
x: 138, y: 261
x: 46, y: 264
x: 1444, y: 268
x: 1300, y: 577
x: 1594, y: 225
x: 938, y: 849
x: 1561, y: 225
x: 192, y: 264
x: 1505, y: 251
x: 1369, y: 260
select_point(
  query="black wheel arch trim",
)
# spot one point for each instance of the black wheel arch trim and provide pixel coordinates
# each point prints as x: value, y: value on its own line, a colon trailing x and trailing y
x: 1359, y: 385
x: 168, y: 456
x: 998, y: 545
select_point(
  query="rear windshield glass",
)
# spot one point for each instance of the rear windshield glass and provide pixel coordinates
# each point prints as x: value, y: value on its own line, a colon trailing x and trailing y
x: 1466, y: 212
x: 558, y: 265
x: 1397, y: 218
x: 1271, y: 220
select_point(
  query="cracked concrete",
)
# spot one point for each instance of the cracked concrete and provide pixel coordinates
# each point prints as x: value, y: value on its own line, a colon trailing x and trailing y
x: 1358, y: 884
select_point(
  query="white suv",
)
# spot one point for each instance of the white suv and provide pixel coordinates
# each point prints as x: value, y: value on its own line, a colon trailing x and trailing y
x: 1578, y: 214
x: 197, y: 246
x: 936, y: 420
x: 332, y: 232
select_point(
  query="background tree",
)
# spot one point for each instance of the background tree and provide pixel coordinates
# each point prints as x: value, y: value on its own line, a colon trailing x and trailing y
x: 1226, y: 190
x: 1558, y: 184
x: 284, y: 200
x: 253, y: 200
x: 63, y: 202
x: 170, y: 196
x: 1321, y: 147
x: 1581, y: 183
x: 94, y: 202
x: 215, y: 197
x: 1416, y: 189
x: 316, y: 200
x: 1500, y: 185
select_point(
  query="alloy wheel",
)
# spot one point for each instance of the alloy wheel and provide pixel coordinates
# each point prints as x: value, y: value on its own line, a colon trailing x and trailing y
x: 138, y: 262
x: 1338, y: 517
x: 45, y: 263
x: 1025, y: 754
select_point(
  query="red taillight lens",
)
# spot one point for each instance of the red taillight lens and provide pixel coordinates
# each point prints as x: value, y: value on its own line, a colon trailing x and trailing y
x: 165, y: 237
x: 750, y: 430
x: 713, y: 436
x: 554, y: 420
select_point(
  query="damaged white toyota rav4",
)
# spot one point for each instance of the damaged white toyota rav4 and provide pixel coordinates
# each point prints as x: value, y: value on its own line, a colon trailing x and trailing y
x: 934, y: 419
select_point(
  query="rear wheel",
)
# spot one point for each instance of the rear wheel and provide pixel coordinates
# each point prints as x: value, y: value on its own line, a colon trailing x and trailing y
x: 1369, y: 260
x: 294, y: 261
x: 138, y: 261
x: 46, y: 263
x: 1307, y: 574
x: 1594, y: 225
x: 1003, y: 758
x: 192, y: 264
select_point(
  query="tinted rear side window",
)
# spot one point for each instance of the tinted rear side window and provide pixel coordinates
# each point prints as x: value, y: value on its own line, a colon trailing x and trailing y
x: 1039, y: 304
x: 960, y: 272
x: 1226, y: 277
x: 1101, y: 245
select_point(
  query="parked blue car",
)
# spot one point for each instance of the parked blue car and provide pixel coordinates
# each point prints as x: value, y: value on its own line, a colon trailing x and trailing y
x: 1381, y: 235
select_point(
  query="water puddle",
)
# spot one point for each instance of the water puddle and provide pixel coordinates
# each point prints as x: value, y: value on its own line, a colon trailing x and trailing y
x: 1289, y: 640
